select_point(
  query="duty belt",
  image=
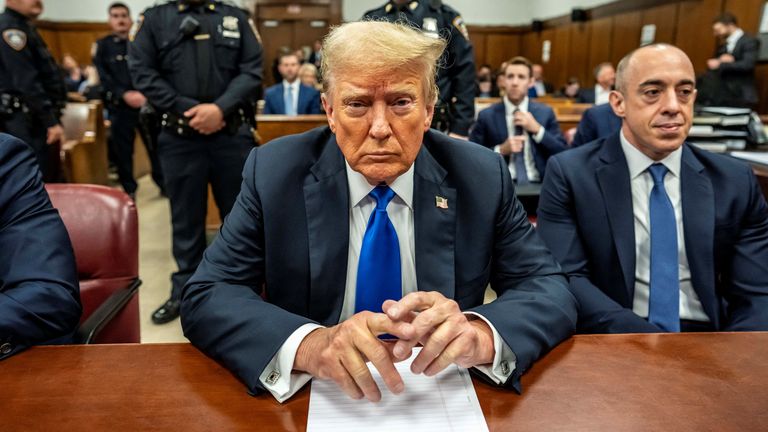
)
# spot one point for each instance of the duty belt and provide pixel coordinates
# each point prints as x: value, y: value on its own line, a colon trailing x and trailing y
x: 179, y: 125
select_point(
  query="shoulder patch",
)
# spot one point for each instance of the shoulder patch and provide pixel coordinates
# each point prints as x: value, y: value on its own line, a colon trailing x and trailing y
x: 458, y: 22
x: 136, y: 27
x: 15, y: 39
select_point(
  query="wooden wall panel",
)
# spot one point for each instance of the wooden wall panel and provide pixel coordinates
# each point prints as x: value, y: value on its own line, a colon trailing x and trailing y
x: 500, y: 48
x: 747, y: 13
x: 626, y: 35
x: 478, y: 40
x: 693, y: 34
x: 78, y: 44
x: 665, y: 19
x: 579, y: 54
x: 600, y: 45
x: 530, y: 46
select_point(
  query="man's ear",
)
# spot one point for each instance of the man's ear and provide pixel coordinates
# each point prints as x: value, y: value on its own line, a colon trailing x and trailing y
x: 616, y: 99
x: 328, y: 108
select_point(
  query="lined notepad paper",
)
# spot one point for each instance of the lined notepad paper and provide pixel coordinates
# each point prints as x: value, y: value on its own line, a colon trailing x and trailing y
x: 446, y: 402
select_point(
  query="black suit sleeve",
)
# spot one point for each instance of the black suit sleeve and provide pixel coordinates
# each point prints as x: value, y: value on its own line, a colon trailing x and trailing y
x: 534, y: 310
x: 557, y: 225
x: 222, y: 312
x: 39, y: 294
x: 747, y: 296
x: 745, y: 62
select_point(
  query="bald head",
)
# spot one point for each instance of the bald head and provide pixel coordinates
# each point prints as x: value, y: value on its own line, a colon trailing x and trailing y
x: 639, y: 58
x: 655, y: 92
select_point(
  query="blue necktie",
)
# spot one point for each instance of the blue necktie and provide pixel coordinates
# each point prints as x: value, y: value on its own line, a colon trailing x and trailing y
x: 288, y: 101
x: 378, y: 271
x: 664, y: 302
x: 521, y: 173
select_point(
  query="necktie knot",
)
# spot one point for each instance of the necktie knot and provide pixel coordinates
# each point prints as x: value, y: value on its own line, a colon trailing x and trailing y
x: 383, y: 194
x: 658, y: 171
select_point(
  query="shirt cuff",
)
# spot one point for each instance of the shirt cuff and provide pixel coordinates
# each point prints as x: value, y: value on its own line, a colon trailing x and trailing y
x: 504, y: 360
x: 497, y: 149
x: 278, y: 377
x: 539, y: 135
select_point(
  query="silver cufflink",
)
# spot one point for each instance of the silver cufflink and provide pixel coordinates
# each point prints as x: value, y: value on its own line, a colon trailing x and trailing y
x: 273, y: 377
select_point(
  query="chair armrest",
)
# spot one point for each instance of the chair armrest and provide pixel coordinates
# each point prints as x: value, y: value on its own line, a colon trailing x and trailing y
x: 91, y: 327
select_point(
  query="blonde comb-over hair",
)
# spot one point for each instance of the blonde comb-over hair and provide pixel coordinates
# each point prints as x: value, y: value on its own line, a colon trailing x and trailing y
x: 378, y: 48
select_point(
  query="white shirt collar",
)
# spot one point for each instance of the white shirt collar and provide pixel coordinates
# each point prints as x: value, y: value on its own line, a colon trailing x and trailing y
x: 734, y: 37
x: 510, y: 107
x: 359, y: 187
x: 294, y: 85
x: 638, y: 162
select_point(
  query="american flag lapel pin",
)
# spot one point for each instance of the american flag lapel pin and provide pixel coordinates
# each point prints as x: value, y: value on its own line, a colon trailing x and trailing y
x: 441, y: 202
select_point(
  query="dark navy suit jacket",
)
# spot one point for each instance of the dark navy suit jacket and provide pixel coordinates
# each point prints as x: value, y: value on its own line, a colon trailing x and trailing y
x: 490, y: 130
x: 39, y: 294
x: 586, y: 95
x: 308, y: 103
x: 585, y: 217
x: 596, y: 122
x: 280, y: 259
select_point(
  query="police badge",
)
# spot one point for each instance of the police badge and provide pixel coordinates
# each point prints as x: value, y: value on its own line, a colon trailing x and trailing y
x: 229, y: 24
x: 15, y: 38
x: 429, y: 25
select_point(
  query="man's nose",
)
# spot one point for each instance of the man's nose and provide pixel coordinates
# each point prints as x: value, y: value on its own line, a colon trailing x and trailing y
x: 380, y: 128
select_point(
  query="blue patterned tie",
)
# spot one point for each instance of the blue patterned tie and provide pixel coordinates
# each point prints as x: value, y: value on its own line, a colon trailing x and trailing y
x: 378, y: 271
x: 520, y: 171
x: 664, y: 302
x: 288, y: 101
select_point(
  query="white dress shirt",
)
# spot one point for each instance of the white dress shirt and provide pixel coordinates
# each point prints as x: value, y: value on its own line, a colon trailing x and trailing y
x: 730, y: 41
x: 541, y: 90
x: 278, y: 376
x: 642, y: 183
x: 601, y: 95
x: 294, y: 93
x: 530, y: 163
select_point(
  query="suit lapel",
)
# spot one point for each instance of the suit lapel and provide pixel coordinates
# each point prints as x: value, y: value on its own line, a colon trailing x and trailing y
x: 698, y: 203
x: 435, y: 227
x: 614, y: 181
x: 281, y: 99
x: 326, y: 196
x: 500, y: 122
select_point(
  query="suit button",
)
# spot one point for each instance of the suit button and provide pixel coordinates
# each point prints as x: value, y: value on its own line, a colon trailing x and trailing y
x: 504, y: 367
x: 6, y: 348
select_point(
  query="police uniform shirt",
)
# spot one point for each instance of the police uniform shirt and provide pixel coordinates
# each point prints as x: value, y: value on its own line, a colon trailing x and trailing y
x: 27, y: 69
x: 457, y: 79
x: 111, y: 59
x: 184, y: 54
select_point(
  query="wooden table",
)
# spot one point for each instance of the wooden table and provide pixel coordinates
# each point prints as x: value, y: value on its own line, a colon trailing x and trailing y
x: 675, y: 382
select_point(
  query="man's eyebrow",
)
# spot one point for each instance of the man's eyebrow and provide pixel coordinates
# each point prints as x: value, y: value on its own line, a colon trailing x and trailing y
x: 656, y: 82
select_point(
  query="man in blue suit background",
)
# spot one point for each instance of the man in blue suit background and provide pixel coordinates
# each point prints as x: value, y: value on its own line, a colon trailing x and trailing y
x: 345, y: 232
x: 526, y: 133
x: 291, y: 97
x: 655, y: 234
x: 596, y: 122
x: 39, y: 294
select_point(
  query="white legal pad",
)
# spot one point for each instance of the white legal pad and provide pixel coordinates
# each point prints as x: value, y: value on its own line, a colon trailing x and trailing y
x: 446, y: 402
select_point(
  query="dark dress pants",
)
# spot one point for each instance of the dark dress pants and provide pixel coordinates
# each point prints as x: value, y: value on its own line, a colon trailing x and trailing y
x: 123, y: 134
x: 189, y: 164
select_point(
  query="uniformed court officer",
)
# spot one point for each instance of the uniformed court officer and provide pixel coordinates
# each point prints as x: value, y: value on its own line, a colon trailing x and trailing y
x: 122, y: 101
x: 456, y: 108
x: 32, y: 92
x: 198, y: 62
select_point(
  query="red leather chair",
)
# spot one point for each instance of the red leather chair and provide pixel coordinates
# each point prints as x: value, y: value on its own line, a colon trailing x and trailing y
x: 103, y: 226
